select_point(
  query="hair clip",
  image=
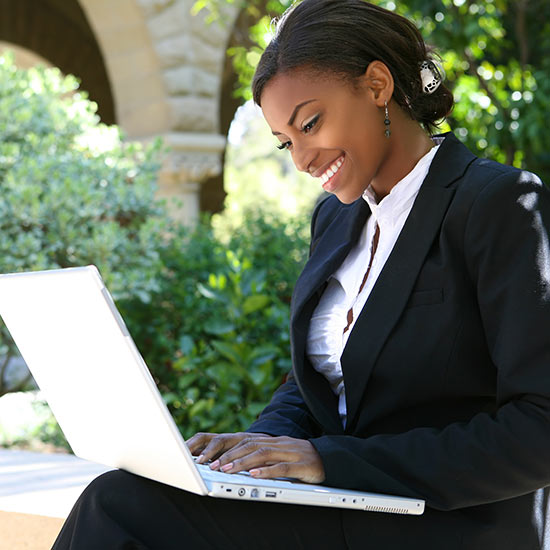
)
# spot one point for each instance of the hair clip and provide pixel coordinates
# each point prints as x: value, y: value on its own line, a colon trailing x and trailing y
x: 432, y: 75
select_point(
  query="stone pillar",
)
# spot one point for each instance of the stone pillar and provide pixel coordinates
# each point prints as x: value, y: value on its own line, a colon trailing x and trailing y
x: 166, y: 71
x: 193, y: 158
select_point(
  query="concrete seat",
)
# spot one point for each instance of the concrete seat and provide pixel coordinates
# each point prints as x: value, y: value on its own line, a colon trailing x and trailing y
x: 28, y: 532
x: 37, y: 492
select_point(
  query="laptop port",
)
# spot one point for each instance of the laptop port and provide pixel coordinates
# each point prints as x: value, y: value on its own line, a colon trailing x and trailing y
x: 254, y: 493
x: 271, y: 494
x: 241, y: 492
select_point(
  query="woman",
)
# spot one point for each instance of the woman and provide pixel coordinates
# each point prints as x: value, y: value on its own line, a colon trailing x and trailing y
x: 419, y: 345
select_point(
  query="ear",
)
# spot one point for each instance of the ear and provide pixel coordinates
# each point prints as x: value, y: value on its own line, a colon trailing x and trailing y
x: 378, y: 80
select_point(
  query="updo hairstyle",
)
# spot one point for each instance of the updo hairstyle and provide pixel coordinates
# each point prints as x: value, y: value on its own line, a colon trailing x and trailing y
x: 342, y: 37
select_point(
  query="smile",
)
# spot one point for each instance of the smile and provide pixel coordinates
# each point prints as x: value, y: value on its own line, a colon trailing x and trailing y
x: 332, y: 170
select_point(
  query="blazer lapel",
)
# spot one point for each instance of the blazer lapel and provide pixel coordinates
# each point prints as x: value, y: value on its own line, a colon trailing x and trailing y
x: 395, y: 283
x: 330, y: 251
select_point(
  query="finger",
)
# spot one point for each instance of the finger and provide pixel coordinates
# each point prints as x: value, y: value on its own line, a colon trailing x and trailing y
x: 295, y: 470
x: 218, y: 445
x: 280, y: 469
x: 241, y: 445
x: 198, y: 442
x: 255, y: 453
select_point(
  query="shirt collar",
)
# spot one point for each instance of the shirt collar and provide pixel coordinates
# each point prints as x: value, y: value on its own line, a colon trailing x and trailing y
x: 402, y: 194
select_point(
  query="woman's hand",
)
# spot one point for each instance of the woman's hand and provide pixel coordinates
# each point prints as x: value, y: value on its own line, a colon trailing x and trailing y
x: 210, y: 446
x: 263, y: 456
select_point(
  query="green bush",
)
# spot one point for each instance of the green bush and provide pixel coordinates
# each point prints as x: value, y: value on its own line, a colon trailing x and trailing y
x: 71, y: 193
x: 216, y: 337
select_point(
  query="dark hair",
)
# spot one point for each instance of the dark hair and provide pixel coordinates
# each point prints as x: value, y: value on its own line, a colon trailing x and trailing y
x: 343, y: 37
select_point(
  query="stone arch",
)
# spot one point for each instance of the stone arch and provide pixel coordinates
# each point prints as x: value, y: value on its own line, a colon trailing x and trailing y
x: 58, y: 31
x: 133, y: 67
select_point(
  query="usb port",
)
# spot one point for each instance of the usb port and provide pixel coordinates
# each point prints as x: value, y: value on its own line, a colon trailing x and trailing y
x: 270, y: 494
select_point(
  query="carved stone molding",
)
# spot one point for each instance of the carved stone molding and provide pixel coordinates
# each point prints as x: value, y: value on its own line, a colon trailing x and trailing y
x: 194, y: 157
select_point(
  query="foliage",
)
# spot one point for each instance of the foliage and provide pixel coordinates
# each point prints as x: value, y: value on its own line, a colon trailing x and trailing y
x: 48, y: 431
x: 28, y: 423
x: 496, y: 55
x: 225, y: 302
x: 71, y: 192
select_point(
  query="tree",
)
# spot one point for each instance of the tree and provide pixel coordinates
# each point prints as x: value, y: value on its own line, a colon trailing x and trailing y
x: 496, y: 54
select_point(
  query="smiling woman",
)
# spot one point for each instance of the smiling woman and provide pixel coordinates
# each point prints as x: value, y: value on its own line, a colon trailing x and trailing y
x: 419, y: 341
x: 372, y: 73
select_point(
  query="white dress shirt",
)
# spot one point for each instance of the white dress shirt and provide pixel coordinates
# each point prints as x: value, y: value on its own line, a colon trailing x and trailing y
x: 326, y: 338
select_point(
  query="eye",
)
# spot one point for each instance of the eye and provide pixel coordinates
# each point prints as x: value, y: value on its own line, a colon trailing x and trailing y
x: 308, y: 126
x: 284, y: 145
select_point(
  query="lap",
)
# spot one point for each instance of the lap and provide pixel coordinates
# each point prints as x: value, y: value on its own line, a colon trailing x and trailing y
x: 121, y: 510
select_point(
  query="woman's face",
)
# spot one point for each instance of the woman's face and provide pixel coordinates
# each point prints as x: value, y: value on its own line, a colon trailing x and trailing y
x: 332, y: 130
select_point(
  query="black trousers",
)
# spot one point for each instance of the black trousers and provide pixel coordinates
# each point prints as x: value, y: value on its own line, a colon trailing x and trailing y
x: 121, y: 511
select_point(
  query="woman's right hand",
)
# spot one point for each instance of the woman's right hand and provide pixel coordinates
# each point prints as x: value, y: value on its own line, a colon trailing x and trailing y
x: 209, y: 446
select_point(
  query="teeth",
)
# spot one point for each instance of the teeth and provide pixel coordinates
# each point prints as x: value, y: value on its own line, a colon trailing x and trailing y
x: 331, y: 171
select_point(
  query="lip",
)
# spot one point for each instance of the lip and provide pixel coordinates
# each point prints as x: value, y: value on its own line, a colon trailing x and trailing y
x: 331, y: 184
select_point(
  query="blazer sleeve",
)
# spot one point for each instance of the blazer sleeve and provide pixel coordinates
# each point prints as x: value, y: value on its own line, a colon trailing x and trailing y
x: 496, y: 456
x: 287, y: 414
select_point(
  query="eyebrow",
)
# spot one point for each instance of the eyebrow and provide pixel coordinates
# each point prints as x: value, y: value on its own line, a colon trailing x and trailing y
x: 295, y: 113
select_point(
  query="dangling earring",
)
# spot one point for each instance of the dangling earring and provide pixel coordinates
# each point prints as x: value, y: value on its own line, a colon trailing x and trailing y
x: 387, y: 120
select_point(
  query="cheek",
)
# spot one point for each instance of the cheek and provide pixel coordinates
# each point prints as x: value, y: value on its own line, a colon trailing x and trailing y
x: 369, y: 142
x: 361, y: 132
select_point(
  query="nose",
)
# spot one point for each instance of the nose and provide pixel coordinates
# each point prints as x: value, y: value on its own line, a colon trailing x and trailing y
x: 303, y: 157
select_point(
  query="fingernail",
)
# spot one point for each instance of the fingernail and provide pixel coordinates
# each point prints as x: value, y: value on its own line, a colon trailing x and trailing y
x: 255, y: 472
x: 227, y: 467
x: 200, y: 459
x: 215, y: 465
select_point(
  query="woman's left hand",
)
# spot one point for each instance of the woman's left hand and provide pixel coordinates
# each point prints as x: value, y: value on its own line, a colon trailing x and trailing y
x: 269, y: 457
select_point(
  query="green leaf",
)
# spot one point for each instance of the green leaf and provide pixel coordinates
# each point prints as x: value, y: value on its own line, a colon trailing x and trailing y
x: 255, y: 303
x: 218, y: 326
x: 186, y: 344
x: 228, y: 350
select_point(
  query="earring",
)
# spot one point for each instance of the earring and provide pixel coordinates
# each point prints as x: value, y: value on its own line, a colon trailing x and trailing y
x: 387, y: 120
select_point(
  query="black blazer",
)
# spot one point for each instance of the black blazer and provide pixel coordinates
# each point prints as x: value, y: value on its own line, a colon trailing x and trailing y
x: 447, y: 370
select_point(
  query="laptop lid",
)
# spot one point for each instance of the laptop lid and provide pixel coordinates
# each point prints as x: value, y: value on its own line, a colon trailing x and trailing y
x: 82, y: 357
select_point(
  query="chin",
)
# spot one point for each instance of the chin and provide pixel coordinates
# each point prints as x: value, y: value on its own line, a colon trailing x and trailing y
x: 347, y: 197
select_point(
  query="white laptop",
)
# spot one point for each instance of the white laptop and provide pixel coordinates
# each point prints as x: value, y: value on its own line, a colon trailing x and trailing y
x: 82, y: 357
